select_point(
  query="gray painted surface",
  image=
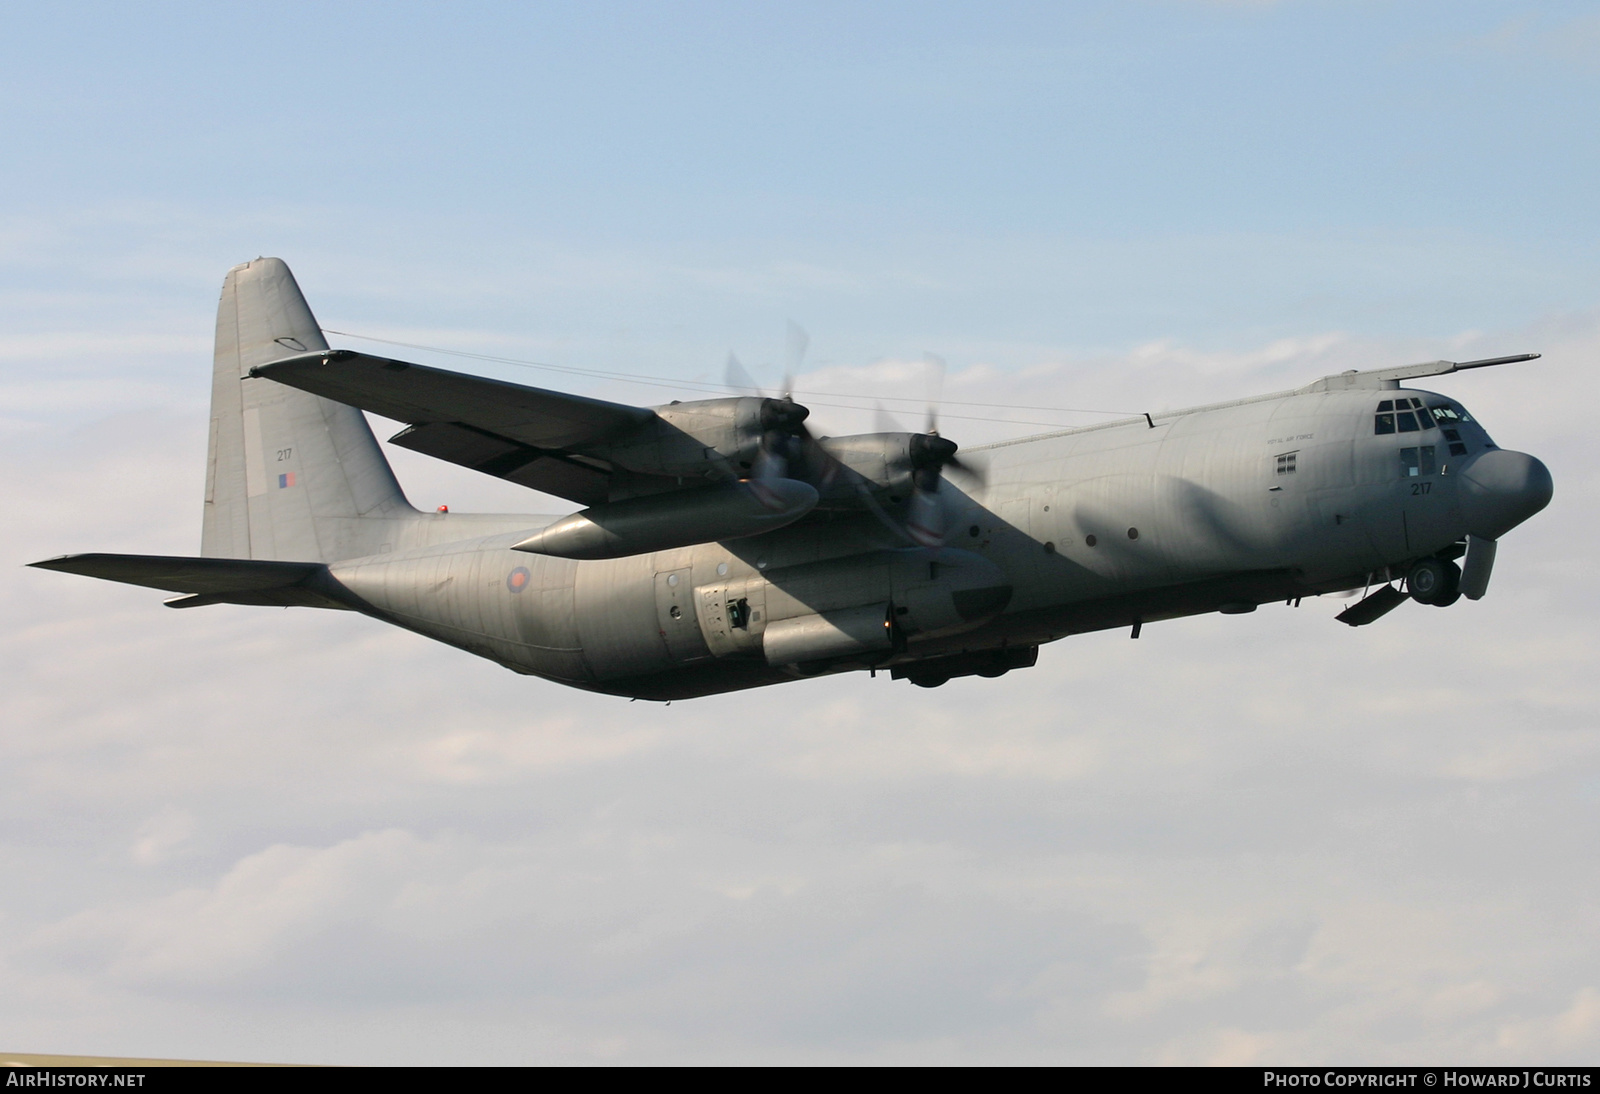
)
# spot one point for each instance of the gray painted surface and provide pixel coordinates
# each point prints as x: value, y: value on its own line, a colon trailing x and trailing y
x: 1212, y: 509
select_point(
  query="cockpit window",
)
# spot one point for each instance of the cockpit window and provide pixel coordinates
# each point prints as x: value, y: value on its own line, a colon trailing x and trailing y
x: 1449, y: 417
x: 1408, y: 415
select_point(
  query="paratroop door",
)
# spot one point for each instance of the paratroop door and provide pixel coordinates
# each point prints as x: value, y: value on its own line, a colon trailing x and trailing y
x: 675, y: 615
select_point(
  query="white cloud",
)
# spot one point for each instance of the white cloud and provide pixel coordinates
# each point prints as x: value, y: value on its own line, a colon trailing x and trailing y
x: 263, y: 834
x: 1268, y: 838
x: 1574, y: 40
x: 163, y: 835
x: 1574, y: 1032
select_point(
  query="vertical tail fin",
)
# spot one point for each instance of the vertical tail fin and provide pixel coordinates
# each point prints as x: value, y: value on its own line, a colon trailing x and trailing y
x: 289, y: 476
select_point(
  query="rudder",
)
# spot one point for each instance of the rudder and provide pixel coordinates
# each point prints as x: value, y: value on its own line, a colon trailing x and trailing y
x: 289, y: 475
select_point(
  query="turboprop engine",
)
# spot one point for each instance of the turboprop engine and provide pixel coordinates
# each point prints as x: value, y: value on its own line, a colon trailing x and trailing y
x: 659, y: 522
x: 765, y: 470
x: 712, y: 438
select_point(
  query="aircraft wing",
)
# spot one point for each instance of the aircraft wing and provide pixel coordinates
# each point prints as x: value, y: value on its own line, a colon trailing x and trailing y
x: 524, y: 434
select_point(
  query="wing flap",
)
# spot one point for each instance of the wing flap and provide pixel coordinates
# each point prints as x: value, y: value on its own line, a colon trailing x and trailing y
x: 522, y: 464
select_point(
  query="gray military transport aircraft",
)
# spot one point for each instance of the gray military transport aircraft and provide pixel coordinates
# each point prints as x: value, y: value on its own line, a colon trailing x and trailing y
x: 723, y: 546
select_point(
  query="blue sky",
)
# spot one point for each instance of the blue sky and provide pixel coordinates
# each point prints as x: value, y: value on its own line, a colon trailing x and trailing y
x: 1081, y: 175
x: 296, y: 836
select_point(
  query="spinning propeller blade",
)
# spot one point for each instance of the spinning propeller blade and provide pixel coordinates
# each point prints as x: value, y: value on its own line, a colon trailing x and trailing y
x: 786, y: 448
x: 796, y: 344
x: 737, y: 379
x: 932, y: 456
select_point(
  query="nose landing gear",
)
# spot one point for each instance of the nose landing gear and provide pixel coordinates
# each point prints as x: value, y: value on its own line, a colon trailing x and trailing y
x: 1434, y: 581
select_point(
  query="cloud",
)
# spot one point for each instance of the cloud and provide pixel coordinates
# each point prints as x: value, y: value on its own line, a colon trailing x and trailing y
x: 1180, y: 849
x: 1573, y: 41
x: 1266, y: 838
x: 1573, y: 1031
x: 163, y: 835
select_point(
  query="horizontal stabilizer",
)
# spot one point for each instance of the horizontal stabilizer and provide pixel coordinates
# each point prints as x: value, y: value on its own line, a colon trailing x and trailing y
x: 212, y: 580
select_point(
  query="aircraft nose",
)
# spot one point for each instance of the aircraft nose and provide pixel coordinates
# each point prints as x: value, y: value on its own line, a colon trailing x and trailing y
x: 1500, y: 490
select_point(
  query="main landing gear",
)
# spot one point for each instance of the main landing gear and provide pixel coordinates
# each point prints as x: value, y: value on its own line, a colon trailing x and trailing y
x: 1434, y: 581
x: 991, y: 663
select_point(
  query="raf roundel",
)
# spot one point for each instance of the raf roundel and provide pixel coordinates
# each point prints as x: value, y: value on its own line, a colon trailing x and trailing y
x: 517, y: 579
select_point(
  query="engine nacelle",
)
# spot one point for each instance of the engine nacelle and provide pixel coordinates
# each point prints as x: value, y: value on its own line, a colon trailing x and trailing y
x: 721, y: 439
x: 659, y: 522
x: 706, y: 439
x: 882, y: 461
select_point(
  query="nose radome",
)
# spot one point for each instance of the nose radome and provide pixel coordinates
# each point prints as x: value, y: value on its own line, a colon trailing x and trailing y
x: 1500, y: 490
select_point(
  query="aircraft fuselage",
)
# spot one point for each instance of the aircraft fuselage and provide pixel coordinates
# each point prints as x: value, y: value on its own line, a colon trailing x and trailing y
x: 723, y: 546
x: 1114, y: 526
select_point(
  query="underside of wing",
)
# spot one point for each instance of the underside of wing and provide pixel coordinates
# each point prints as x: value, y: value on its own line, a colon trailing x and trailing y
x: 552, y: 472
x: 526, y: 435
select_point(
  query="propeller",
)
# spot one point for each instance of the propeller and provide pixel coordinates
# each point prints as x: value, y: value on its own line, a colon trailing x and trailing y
x: 973, y: 470
x: 796, y: 344
x: 925, y: 514
x: 931, y: 455
x: 785, y: 440
x: 787, y: 448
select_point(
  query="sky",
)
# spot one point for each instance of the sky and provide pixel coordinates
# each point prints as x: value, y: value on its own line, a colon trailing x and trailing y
x: 288, y: 835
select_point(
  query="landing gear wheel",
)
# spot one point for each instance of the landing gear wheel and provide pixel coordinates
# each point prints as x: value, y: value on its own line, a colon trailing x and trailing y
x: 927, y: 679
x: 1434, y: 581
